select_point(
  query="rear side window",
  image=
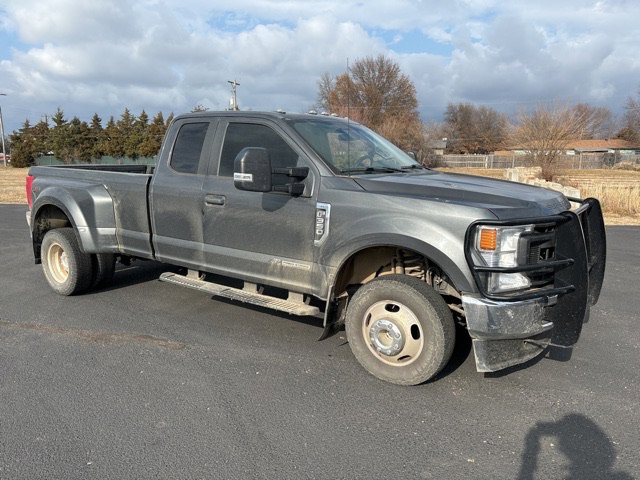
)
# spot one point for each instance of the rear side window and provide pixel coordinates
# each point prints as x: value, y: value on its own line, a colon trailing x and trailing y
x: 188, y: 147
x: 241, y: 135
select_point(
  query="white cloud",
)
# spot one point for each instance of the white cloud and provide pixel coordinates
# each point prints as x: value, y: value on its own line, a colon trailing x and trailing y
x: 171, y: 55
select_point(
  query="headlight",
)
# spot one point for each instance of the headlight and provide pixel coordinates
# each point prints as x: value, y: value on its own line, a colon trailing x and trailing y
x: 495, y: 246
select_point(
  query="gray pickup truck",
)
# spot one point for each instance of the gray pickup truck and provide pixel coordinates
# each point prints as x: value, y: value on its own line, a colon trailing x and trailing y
x: 317, y: 215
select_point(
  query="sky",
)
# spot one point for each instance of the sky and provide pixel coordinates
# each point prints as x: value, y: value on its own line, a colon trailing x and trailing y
x: 171, y: 55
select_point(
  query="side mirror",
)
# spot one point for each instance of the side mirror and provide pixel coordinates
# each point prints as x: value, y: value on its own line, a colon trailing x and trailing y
x: 412, y: 154
x: 252, y: 170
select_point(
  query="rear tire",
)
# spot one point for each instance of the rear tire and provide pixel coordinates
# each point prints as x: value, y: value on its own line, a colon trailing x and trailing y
x: 66, y: 267
x: 400, y: 329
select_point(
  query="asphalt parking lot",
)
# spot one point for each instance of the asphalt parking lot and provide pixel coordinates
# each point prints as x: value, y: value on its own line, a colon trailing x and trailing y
x: 148, y: 380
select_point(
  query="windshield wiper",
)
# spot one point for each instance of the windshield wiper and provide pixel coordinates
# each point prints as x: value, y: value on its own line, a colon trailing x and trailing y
x: 412, y: 166
x: 371, y: 170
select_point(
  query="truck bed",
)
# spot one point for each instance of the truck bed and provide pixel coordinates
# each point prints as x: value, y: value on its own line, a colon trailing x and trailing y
x: 111, y: 202
x: 144, y: 169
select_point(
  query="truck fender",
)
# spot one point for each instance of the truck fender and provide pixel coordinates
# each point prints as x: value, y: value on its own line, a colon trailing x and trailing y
x: 89, y: 211
x: 458, y: 274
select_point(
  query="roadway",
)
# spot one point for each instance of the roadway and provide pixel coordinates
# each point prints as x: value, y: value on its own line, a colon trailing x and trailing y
x: 149, y: 380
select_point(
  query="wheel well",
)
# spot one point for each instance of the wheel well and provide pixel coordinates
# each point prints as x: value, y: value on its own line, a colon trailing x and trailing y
x: 48, y: 218
x: 365, y: 265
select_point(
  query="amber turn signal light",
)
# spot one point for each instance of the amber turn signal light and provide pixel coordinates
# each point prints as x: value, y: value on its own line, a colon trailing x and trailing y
x: 488, y: 239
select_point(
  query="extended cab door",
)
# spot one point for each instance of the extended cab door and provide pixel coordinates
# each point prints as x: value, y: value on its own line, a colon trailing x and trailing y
x: 262, y: 237
x: 176, y: 194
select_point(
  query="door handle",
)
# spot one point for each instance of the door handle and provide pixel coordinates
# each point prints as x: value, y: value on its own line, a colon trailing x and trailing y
x: 214, y: 199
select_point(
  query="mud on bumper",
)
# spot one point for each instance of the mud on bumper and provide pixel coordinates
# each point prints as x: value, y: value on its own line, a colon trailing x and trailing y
x: 508, y: 331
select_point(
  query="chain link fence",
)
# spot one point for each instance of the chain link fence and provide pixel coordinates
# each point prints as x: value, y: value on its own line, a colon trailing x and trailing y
x: 583, y: 161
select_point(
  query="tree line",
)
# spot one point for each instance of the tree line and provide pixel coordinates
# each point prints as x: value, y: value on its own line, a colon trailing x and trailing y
x: 375, y: 92
x: 78, y: 141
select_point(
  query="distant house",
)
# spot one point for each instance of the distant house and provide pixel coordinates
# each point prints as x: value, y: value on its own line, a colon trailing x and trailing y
x: 609, y: 145
x: 437, y: 147
x: 577, y: 147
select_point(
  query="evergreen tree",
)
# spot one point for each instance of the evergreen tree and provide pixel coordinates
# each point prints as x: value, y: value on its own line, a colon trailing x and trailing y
x: 41, y: 134
x: 137, y: 134
x: 169, y: 120
x: 114, y: 138
x: 60, y: 138
x: 79, y: 142
x: 22, y: 146
x: 58, y: 118
x: 96, y: 130
x: 153, y: 136
x: 125, y: 132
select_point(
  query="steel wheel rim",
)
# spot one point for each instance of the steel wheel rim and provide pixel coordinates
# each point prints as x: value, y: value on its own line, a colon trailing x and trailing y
x: 393, y: 333
x: 58, y: 262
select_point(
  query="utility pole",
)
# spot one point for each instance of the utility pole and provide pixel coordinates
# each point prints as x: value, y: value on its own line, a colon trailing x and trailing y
x: 4, y: 151
x: 234, y: 97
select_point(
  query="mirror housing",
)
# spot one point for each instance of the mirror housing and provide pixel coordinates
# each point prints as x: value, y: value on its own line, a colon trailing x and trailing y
x: 252, y: 170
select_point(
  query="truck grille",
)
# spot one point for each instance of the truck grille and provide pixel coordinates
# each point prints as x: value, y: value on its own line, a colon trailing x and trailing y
x: 537, y: 248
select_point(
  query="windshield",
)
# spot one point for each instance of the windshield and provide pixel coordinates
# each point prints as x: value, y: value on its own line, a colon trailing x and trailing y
x: 349, y: 147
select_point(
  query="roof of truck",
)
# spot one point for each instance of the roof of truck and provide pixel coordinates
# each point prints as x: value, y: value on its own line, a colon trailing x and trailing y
x: 278, y: 114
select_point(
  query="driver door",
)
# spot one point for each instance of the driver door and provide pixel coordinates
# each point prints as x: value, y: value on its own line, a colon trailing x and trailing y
x: 261, y: 237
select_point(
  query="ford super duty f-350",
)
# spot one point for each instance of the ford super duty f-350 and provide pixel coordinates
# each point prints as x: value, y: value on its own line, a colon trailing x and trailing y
x: 335, y: 222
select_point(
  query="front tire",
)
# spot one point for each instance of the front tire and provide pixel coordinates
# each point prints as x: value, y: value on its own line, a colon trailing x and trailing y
x: 66, y: 267
x: 400, y: 329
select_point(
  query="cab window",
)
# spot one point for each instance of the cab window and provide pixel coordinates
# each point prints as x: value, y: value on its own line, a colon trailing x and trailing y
x: 241, y: 135
x: 187, y: 149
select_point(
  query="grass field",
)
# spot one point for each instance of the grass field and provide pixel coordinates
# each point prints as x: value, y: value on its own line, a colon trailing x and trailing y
x: 617, y: 190
x: 12, y: 185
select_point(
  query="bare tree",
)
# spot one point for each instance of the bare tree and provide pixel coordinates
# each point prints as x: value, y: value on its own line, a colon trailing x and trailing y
x: 631, y: 120
x: 326, y: 84
x: 474, y: 129
x: 377, y: 94
x: 545, y: 133
x: 599, y: 121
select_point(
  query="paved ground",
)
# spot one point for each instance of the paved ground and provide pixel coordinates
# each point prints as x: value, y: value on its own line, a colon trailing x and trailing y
x: 148, y: 380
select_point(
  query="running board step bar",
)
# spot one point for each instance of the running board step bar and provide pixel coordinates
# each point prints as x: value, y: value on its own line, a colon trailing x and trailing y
x: 293, y: 306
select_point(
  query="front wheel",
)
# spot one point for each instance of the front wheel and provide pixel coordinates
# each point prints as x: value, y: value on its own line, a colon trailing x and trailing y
x: 67, y: 268
x: 400, y: 329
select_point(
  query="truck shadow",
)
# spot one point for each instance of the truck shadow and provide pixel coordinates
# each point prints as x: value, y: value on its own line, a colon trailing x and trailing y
x: 459, y: 356
x: 149, y: 271
x: 559, y: 354
x: 139, y: 272
x: 589, y: 451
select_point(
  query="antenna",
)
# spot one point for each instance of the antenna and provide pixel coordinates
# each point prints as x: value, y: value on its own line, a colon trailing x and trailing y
x: 4, y: 151
x: 234, y: 97
x: 348, y: 117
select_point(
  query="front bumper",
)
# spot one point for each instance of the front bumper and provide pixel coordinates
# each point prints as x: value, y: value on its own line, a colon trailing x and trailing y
x: 507, y: 333
x: 511, y: 331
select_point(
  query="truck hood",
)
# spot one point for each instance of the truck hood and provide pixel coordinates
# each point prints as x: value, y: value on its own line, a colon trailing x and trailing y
x: 506, y: 200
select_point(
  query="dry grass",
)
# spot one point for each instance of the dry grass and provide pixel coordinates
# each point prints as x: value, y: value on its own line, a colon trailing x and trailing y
x: 12, y: 185
x: 616, y: 199
x: 601, y: 173
x: 617, y: 190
